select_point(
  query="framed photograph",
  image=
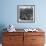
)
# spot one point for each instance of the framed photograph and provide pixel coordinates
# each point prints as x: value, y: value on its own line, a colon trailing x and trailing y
x: 26, y: 13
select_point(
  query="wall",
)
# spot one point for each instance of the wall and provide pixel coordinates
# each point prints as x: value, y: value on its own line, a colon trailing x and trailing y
x: 9, y: 13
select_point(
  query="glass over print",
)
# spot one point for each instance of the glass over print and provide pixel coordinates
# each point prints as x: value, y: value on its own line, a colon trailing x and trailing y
x: 26, y: 13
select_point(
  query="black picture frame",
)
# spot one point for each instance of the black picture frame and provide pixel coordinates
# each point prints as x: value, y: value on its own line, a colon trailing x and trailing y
x: 26, y: 13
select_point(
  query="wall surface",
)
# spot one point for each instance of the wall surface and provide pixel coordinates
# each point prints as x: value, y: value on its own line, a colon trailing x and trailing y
x: 9, y: 13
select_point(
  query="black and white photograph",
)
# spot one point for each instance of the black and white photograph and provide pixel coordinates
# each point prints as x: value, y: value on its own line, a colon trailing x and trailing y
x: 26, y: 13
